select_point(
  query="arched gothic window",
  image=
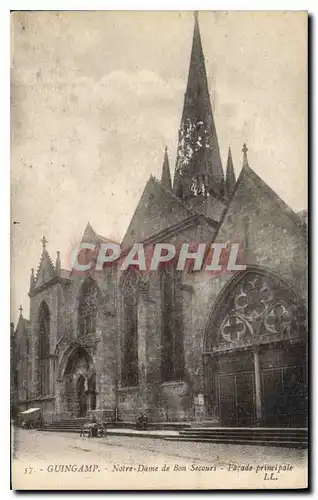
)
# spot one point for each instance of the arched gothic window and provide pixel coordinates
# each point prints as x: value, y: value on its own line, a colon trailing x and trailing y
x: 130, y: 294
x: 44, y: 350
x: 172, y: 357
x: 88, y: 307
x: 256, y: 310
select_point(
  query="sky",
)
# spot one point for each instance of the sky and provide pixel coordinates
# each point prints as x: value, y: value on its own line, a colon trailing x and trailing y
x: 96, y: 97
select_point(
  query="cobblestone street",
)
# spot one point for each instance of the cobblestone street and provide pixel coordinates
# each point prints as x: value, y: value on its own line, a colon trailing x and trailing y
x: 45, y: 460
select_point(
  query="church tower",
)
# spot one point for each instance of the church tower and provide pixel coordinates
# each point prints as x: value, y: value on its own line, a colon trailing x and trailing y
x: 198, y: 166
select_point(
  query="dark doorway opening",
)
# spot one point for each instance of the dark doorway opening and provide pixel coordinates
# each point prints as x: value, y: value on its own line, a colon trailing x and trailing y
x: 81, y: 396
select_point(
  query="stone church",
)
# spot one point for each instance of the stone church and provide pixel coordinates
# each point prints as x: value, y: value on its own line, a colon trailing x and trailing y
x: 228, y: 349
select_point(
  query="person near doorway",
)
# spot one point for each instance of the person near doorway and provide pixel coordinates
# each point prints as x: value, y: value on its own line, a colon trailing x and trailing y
x: 142, y: 422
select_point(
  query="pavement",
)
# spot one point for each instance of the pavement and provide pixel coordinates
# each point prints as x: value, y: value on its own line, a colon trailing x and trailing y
x: 48, y: 460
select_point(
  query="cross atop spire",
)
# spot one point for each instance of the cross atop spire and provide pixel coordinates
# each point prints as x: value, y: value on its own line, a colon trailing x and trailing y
x: 244, y: 151
x: 44, y: 242
x: 45, y: 269
x: 21, y: 310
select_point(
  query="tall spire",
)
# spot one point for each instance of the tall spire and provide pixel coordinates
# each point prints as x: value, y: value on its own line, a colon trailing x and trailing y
x: 198, y: 155
x: 45, y: 269
x: 230, y: 176
x: 165, y: 176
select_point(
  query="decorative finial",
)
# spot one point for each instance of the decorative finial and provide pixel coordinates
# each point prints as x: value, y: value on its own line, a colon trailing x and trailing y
x: 244, y: 150
x: 32, y: 279
x: 21, y: 310
x: 44, y: 242
x: 58, y: 264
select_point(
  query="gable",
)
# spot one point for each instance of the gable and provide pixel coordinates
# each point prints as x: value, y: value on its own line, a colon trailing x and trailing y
x: 158, y: 209
x: 271, y: 234
x: 22, y: 336
x: 46, y: 269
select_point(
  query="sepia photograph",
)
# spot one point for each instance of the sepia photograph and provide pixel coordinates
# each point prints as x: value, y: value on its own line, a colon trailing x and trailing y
x: 159, y: 240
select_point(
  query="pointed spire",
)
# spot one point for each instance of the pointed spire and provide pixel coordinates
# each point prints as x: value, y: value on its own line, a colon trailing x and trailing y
x: 21, y: 311
x: 165, y: 176
x: 198, y: 149
x: 58, y: 264
x: 45, y: 269
x: 244, y: 151
x: 32, y: 279
x: 230, y: 176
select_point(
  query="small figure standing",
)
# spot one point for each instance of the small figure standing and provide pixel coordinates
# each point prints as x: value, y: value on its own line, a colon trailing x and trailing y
x: 142, y: 422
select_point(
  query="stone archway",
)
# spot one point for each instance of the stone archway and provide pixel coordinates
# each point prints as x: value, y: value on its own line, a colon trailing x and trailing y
x: 255, y: 353
x: 79, y: 381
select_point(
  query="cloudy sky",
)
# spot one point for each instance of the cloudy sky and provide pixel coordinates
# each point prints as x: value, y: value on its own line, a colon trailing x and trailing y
x: 96, y: 96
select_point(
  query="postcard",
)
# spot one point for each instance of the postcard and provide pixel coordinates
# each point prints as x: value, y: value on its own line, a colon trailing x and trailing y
x: 159, y: 335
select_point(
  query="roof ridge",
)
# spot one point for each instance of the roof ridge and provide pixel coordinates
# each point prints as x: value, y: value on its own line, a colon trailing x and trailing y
x: 270, y: 192
x: 172, y: 195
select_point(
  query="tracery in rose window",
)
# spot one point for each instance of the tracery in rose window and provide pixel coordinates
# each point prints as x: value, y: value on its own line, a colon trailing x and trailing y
x: 258, y: 310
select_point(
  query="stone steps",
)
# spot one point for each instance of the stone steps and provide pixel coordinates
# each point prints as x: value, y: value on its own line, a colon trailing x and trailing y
x: 232, y: 441
x: 177, y: 431
x: 261, y: 436
x: 75, y: 425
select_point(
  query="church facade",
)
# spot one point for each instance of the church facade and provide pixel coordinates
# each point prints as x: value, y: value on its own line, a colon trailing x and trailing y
x: 227, y: 349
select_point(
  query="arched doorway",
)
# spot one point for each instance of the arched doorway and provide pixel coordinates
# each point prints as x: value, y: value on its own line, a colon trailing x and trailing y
x: 79, y: 382
x: 255, y: 354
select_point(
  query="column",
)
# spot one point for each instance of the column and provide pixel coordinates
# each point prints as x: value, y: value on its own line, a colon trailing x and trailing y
x: 210, y: 396
x: 59, y: 395
x: 258, y: 388
x: 51, y: 381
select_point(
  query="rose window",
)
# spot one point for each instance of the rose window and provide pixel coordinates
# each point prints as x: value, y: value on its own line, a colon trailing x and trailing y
x: 233, y: 329
x: 257, y: 310
x: 278, y: 319
x: 253, y: 299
